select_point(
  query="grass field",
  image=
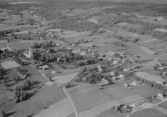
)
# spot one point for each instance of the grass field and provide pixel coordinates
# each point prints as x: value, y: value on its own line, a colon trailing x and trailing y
x: 18, y: 46
x: 62, y: 108
x: 148, y: 113
x: 3, y: 44
x: 23, y: 44
x: 3, y: 96
x: 9, y: 64
x: 88, y: 99
x: 158, y: 46
x: 63, y: 79
x: 108, y: 48
x: 110, y: 113
x: 38, y: 101
x: 164, y: 104
x: 118, y: 91
x: 82, y: 88
x: 71, y: 115
x: 95, y: 111
x: 36, y: 76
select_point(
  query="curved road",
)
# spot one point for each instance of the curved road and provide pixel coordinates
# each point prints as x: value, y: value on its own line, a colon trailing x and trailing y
x: 75, y: 111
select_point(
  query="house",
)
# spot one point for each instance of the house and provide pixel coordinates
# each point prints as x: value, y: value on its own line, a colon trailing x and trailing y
x: 103, y: 82
x: 28, y: 53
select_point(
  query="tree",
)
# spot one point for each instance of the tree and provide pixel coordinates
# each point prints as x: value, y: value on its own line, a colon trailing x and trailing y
x: 68, y: 85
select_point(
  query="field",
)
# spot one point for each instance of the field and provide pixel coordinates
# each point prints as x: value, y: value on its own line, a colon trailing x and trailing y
x: 148, y: 113
x: 24, y: 3
x: 110, y: 113
x: 91, y: 97
x: 108, y: 28
x: 38, y: 101
x: 62, y: 108
x: 9, y: 64
x: 63, y: 79
x: 3, y: 44
x: 3, y: 96
x: 92, y: 102
x: 164, y: 104
x: 20, y: 46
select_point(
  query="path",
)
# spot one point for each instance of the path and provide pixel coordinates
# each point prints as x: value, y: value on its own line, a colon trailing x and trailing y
x: 75, y: 111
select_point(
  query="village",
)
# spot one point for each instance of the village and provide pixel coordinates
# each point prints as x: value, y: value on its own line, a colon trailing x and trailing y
x: 115, y: 66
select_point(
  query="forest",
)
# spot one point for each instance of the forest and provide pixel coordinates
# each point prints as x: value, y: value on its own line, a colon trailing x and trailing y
x: 74, y: 23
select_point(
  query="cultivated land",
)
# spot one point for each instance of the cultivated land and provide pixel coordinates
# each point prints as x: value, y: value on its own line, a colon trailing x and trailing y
x: 83, y: 59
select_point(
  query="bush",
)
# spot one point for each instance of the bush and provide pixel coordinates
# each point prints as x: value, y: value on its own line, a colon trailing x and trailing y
x: 68, y: 85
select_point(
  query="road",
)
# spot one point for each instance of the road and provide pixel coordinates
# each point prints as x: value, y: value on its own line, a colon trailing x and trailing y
x: 74, y: 108
x: 75, y: 111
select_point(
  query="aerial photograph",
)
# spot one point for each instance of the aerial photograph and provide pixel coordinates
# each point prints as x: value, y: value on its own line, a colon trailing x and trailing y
x: 83, y: 58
